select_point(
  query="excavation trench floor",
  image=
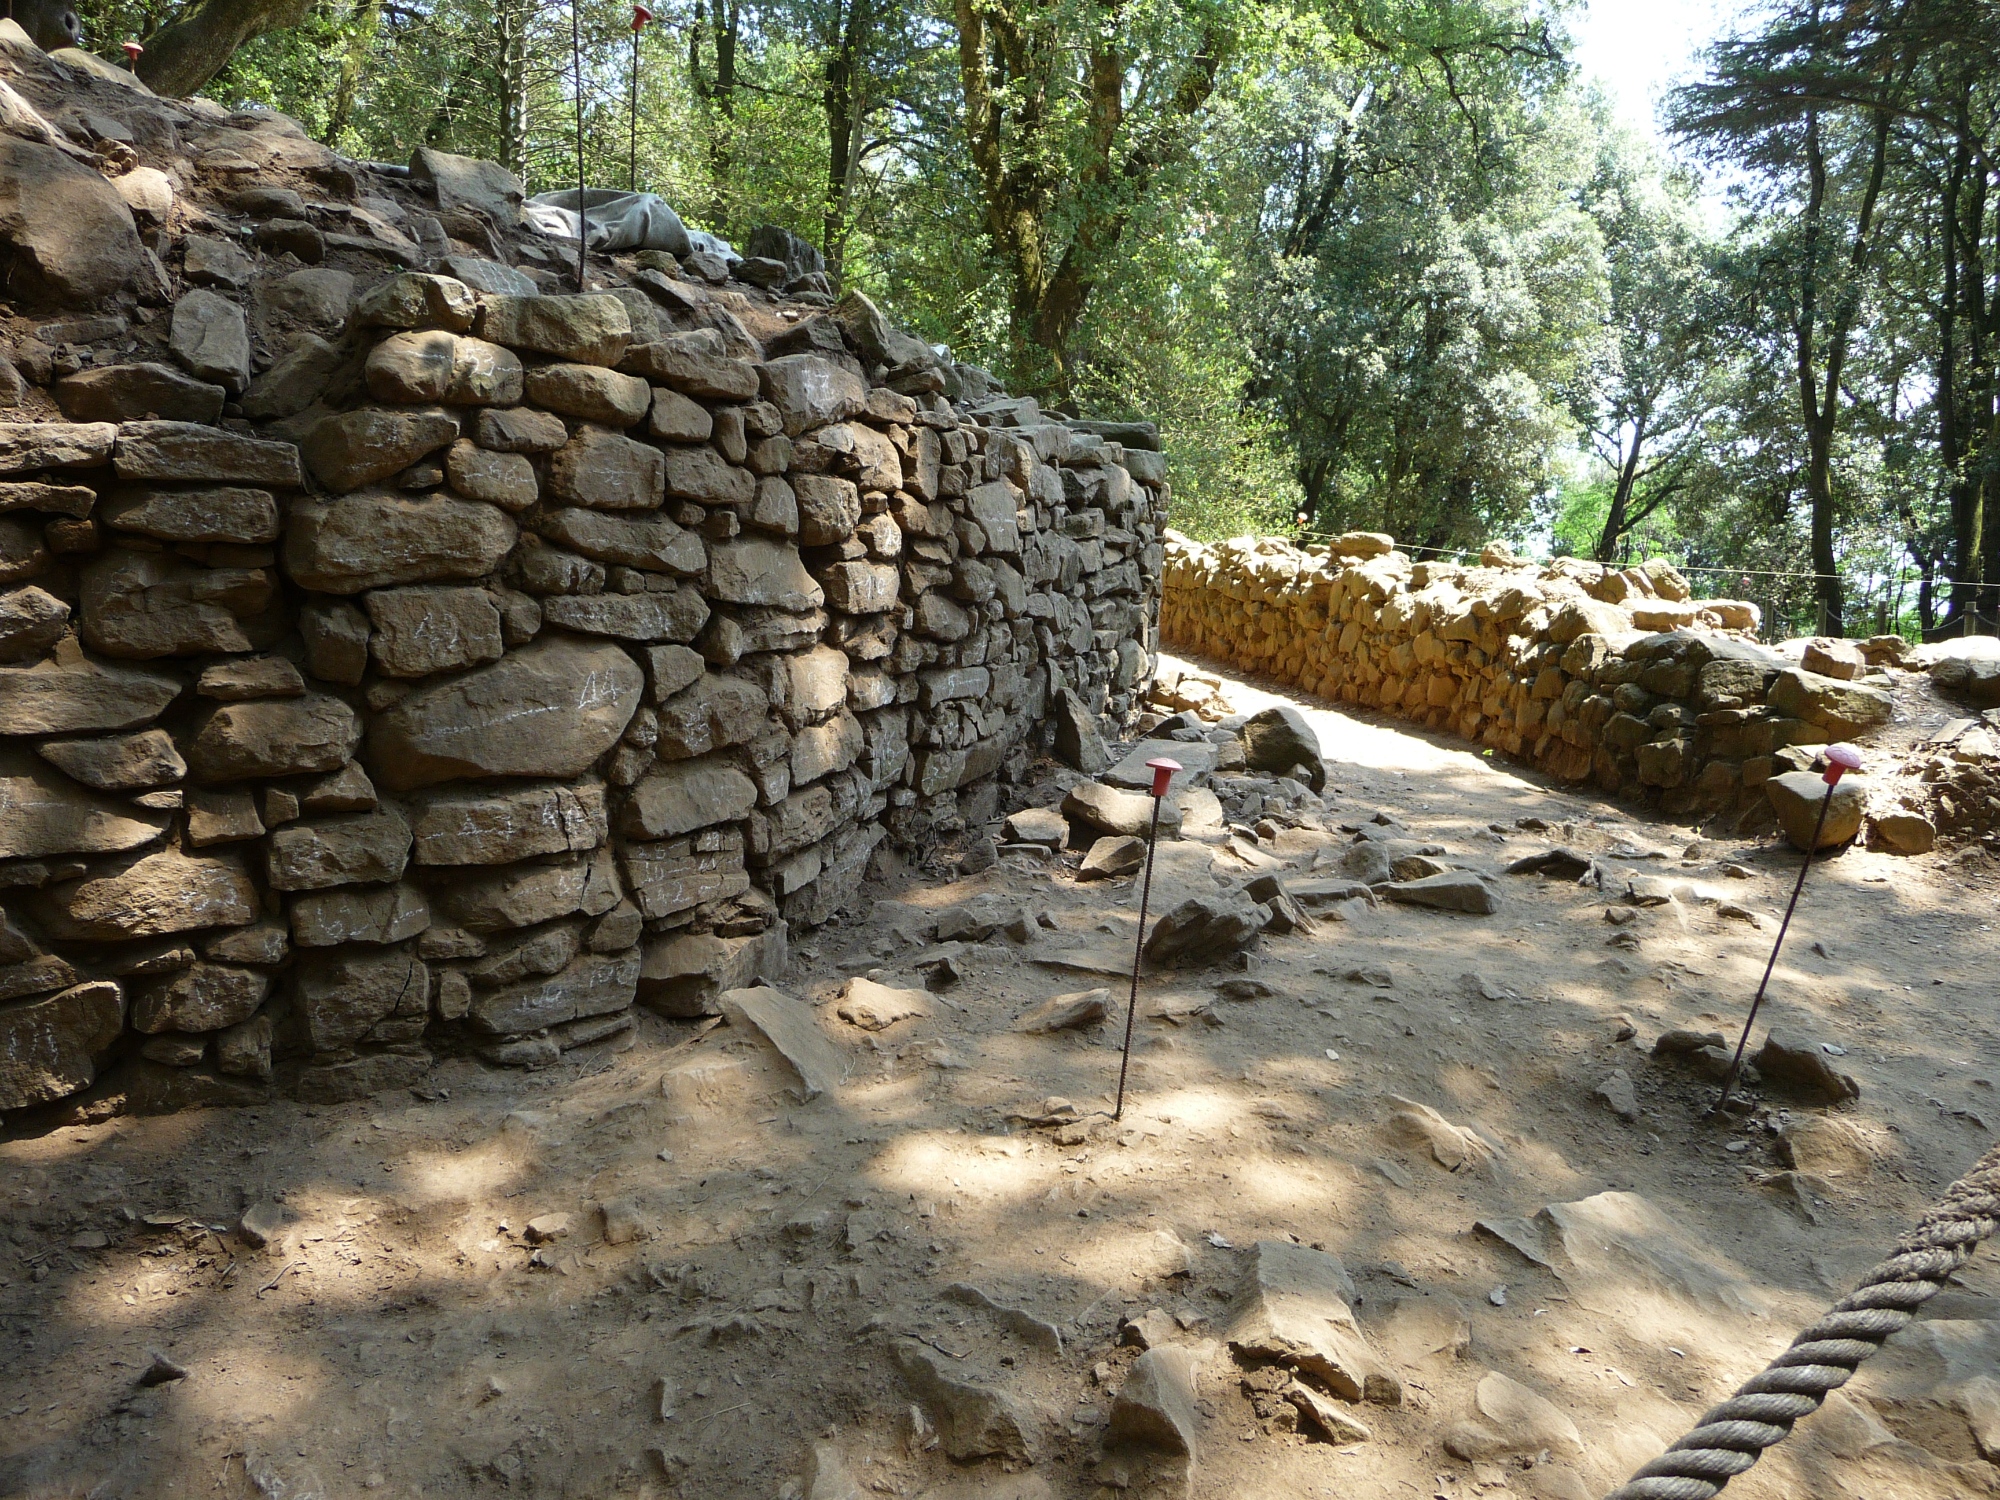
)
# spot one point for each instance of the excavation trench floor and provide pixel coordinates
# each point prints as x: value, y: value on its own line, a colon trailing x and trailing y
x: 400, y: 1336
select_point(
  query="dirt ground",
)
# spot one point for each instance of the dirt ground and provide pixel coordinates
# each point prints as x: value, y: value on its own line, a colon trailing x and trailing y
x: 400, y: 1335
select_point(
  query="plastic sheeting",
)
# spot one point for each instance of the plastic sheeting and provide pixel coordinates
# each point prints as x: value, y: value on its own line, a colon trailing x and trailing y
x: 621, y: 221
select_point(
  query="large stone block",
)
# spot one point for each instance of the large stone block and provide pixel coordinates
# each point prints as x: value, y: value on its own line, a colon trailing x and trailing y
x: 993, y: 506
x: 367, y: 446
x: 591, y: 393
x: 70, y: 236
x: 43, y: 813
x: 76, y: 694
x: 825, y: 748
x: 674, y: 615
x: 815, y: 683
x: 499, y: 827
x: 683, y: 974
x: 235, y: 514
x: 714, y: 711
x: 377, y: 538
x: 419, y: 631
x: 49, y: 1047
x: 856, y: 449
x: 758, y: 570
x: 28, y: 446
x: 591, y: 329
x: 862, y: 588
x: 359, y: 849
x: 203, y: 997
x: 343, y: 993
x: 810, y: 391
x: 358, y: 914
x: 433, y: 366
x: 117, y: 763
x: 805, y: 817
x: 521, y: 430
x: 706, y: 477
x: 189, y: 453
x: 143, y: 605
x: 679, y: 362
x: 272, y: 737
x: 596, y: 984
x: 155, y: 895
x: 417, y: 300
x: 1796, y: 798
x: 687, y: 795
x: 507, y: 480
x: 524, y: 896
x: 1293, y: 1307
x: 133, y: 392
x: 211, y: 340
x: 652, y: 542
x: 547, y: 710
x: 1127, y: 813
x: 31, y: 621
x: 676, y: 419
x: 674, y: 875
x: 1842, y: 709
x: 606, y: 470
x: 829, y: 509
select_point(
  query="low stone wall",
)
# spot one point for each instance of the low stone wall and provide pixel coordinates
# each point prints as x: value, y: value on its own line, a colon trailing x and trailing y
x: 1615, y: 677
x: 394, y: 664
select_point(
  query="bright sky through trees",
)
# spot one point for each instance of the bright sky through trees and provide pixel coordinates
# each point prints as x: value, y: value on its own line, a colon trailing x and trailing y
x: 1638, y: 49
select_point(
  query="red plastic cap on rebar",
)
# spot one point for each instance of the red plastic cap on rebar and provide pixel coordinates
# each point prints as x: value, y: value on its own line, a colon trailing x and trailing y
x: 1163, y: 774
x: 1840, y: 759
x: 640, y: 16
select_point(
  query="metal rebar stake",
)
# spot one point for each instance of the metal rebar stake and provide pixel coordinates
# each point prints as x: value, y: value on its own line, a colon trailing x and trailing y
x: 1840, y: 760
x: 1163, y: 775
x: 640, y: 16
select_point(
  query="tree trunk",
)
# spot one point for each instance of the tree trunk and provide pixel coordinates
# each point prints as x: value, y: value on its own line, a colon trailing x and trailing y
x: 1010, y: 56
x: 510, y: 23
x: 1621, y: 495
x: 181, y: 57
x: 360, y: 42
x: 1821, y: 407
x: 845, y: 113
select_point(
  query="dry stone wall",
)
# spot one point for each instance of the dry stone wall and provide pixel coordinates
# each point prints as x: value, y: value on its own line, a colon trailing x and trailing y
x: 399, y: 653
x: 1615, y: 677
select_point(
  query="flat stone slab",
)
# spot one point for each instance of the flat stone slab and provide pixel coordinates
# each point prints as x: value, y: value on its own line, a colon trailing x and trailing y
x: 876, y: 1007
x: 1613, y: 1247
x: 1293, y: 1307
x: 974, y: 1419
x: 1507, y: 1417
x: 792, y: 1031
x: 1134, y: 774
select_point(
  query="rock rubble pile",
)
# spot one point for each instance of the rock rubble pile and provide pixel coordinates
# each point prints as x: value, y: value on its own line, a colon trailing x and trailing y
x: 401, y: 650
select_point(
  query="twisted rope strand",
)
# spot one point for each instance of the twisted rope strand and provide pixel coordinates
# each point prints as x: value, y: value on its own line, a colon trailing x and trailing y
x: 1733, y: 1436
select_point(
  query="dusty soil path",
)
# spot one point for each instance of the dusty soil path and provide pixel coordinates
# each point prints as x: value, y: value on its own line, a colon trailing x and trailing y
x: 401, y: 1335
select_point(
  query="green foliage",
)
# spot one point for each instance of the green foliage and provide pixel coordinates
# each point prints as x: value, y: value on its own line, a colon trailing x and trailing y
x: 1384, y: 263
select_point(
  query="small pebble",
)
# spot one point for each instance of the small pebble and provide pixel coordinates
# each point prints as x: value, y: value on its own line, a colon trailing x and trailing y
x: 1498, y: 1296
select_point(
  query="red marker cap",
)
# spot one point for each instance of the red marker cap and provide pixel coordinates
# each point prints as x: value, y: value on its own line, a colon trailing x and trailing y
x: 1840, y: 759
x: 1163, y: 774
x: 640, y: 16
x: 132, y: 51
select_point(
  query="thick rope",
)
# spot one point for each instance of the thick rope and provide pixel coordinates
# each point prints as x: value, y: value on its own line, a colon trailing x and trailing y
x: 1734, y: 1435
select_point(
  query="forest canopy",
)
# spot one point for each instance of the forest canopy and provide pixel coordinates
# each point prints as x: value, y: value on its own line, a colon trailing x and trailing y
x: 1381, y: 264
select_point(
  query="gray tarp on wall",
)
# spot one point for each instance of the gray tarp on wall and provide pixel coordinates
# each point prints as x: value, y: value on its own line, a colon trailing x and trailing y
x: 621, y: 221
